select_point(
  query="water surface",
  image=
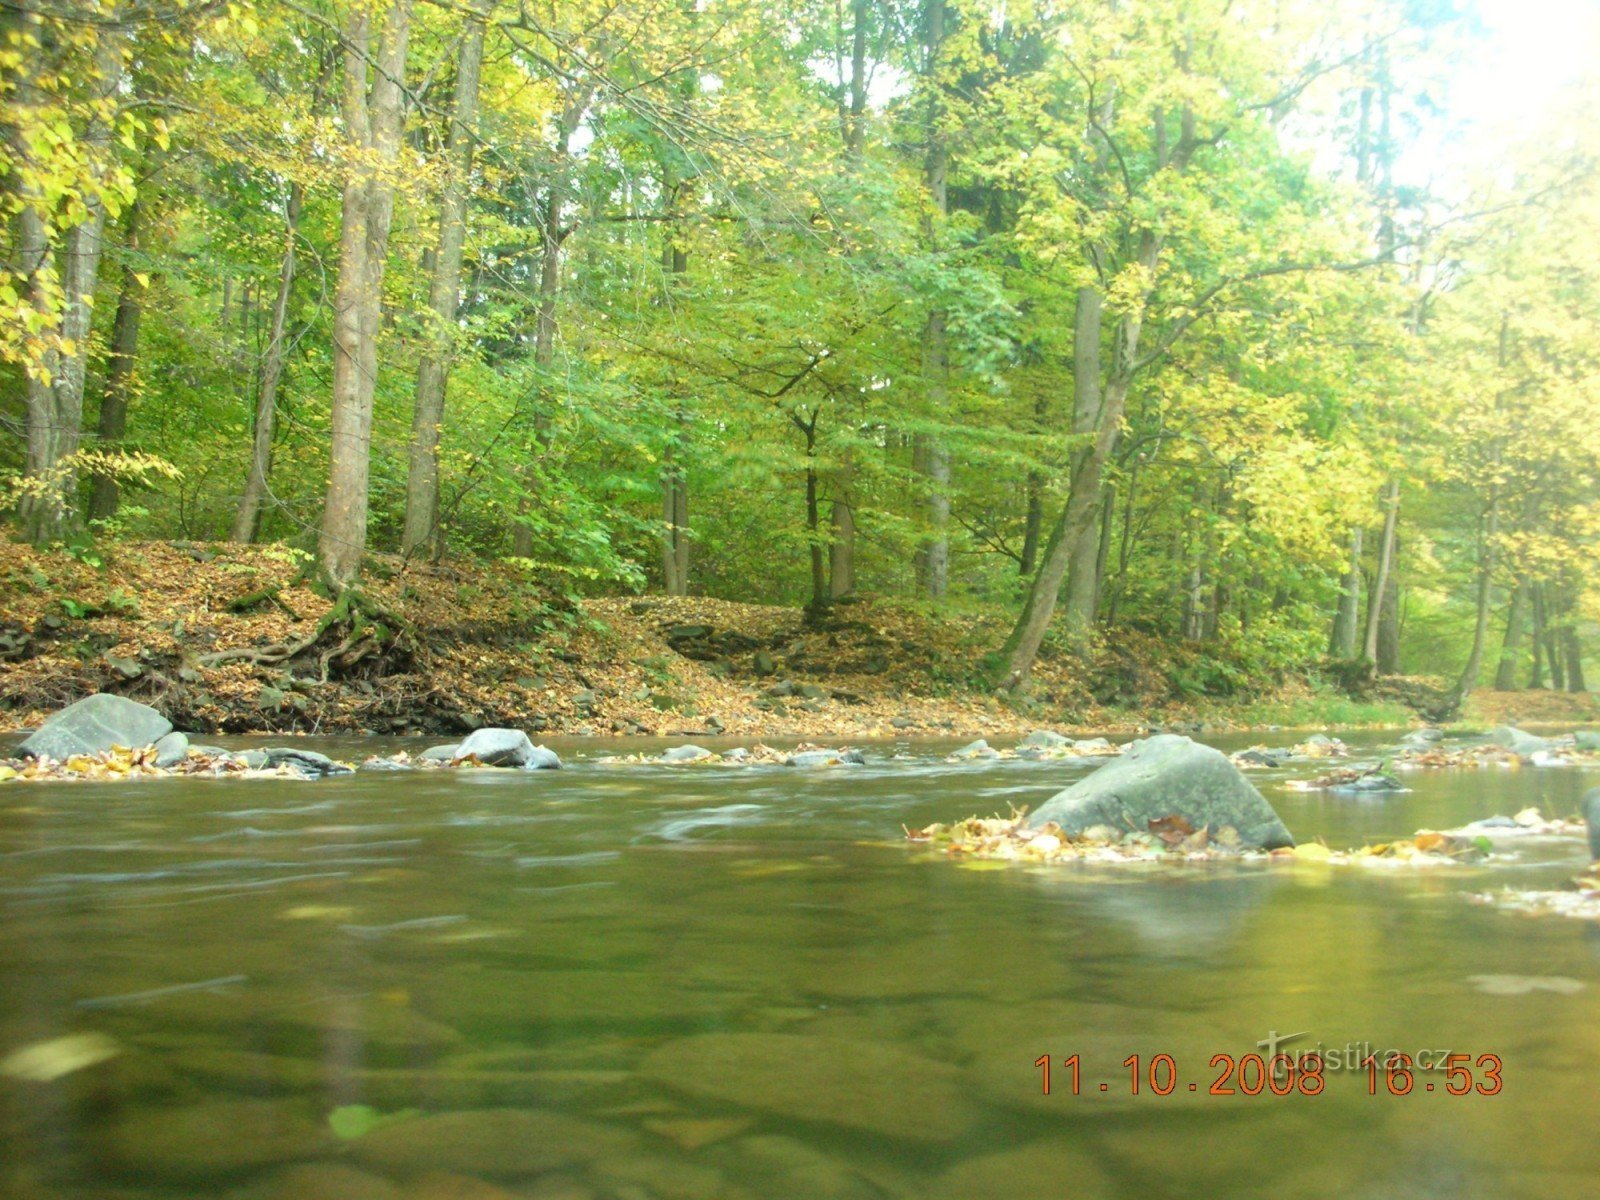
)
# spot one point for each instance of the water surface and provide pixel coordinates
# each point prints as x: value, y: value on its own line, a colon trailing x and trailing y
x: 636, y: 982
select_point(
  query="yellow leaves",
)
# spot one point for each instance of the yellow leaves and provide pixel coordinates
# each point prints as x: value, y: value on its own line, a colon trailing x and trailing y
x: 1312, y: 852
x: 43, y: 1062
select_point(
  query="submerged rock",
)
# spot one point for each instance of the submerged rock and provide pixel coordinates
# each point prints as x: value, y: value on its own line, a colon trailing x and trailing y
x: 172, y: 749
x: 1591, y: 814
x: 1370, y: 781
x: 867, y: 1086
x: 1167, y: 776
x: 94, y: 725
x: 439, y: 754
x: 1040, y: 1169
x: 215, y: 1137
x: 686, y: 753
x: 505, y: 748
x: 499, y: 1142
x: 320, y: 1181
x: 1423, y: 738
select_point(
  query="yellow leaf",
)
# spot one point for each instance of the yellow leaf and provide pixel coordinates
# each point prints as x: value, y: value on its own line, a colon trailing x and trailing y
x: 1312, y: 852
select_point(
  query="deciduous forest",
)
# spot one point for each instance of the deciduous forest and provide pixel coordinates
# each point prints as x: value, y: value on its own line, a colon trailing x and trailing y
x: 1197, y: 320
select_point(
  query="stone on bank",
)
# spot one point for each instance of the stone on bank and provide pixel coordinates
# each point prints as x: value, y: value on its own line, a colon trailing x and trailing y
x: 1167, y: 776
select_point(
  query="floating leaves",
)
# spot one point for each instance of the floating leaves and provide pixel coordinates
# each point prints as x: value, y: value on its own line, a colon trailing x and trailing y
x: 45, y: 1061
x: 351, y: 1121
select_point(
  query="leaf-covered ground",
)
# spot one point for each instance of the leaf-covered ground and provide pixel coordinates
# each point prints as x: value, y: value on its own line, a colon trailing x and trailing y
x: 226, y: 638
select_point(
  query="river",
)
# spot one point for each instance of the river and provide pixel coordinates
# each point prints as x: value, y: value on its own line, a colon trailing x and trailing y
x: 649, y: 981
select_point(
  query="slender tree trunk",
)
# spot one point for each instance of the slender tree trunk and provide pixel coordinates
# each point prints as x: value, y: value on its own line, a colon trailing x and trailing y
x: 421, y: 531
x: 1088, y: 465
x: 1342, y: 645
x: 675, y: 477
x: 1380, y: 583
x: 49, y: 509
x: 367, y: 210
x: 935, y: 457
x: 1505, y: 675
x: 544, y: 334
x: 842, y: 531
x: 1574, y: 649
x: 247, y: 520
x: 1389, y: 619
x: 112, y: 424
x: 1537, y: 635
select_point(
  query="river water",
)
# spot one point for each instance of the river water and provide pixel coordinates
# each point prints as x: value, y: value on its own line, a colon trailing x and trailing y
x: 699, y: 982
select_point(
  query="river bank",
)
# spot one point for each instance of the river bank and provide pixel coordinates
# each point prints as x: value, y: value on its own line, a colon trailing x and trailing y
x: 234, y: 639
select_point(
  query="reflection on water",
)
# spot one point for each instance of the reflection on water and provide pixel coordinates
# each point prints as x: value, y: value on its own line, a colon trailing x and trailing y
x: 634, y: 982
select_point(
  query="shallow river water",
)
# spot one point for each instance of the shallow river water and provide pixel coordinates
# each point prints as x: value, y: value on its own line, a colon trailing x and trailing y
x: 690, y: 982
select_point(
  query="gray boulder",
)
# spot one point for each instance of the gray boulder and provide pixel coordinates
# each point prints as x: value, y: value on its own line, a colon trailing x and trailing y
x: 825, y: 758
x: 1044, y: 739
x: 442, y: 754
x: 307, y: 762
x: 1586, y: 739
x: 1522, y: 744
x: 1426, y: 736
x: 506, y: 748
x: 95, y: 724
x: 1591, y: 814
x: 684, y: 754
x: 1166, y: 776
x: 172, y: 749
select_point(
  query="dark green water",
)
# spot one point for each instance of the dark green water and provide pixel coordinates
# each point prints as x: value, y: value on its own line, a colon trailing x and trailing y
x: 634, y: 982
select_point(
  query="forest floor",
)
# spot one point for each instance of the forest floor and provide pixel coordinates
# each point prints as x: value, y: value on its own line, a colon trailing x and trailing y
x: 233, y: 639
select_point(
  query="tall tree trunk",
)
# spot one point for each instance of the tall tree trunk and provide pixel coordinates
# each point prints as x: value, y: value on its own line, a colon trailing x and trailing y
x: 842, y: 533
x: 1574, y: 649
x: 551, y: 236
x: 421, y: 531
x: 1389, y: 620
x: 935, y: 456
x: 49, y: 508
x: 1108, y: 402
x: 674, y: 477
x: 247, y: 519
x: 373, y: 132
x: 1505, y: 675
x: 112, y: 424
x: 1380, y: 583
x: 1342, y: 645
x: 1536, y: 676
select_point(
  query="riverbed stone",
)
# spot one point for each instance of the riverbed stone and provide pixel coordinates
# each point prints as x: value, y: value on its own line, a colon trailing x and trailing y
x: 1586, y: 739
x: 172, y: 749
x: 212, y: 1138
x: 440, y: 754
x: 1591, y: 814
x: 868, y: 1086
x: 306, y: 762
x: 319, y: 1181
x: 94, y: 725
x: 505, y: 748
x: 1165, y: 776
x: 1055, y: 1167
x: 497, y: 1142
x: 825, y: 758
x: 683, y: 754
x: 1045, y: 739
x: 785, y: 1168
x: 1519, y: 742
x: 450, y: 1185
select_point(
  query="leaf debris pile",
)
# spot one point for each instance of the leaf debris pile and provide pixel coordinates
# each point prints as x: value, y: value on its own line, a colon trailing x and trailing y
x: 998, y: 840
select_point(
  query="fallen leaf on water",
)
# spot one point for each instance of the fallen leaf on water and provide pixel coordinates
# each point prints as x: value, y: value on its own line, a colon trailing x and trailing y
x: 44, y: 1061
x: 1312, y: 852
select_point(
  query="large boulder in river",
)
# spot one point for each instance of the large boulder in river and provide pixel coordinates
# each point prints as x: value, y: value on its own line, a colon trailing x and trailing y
x: 506, y: 748
x: 95, y: 724
x: 1167, y: 776
x: 1591, y: 814
x: 1520, y: 743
